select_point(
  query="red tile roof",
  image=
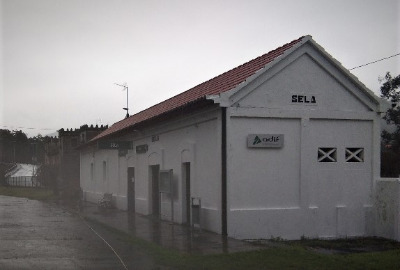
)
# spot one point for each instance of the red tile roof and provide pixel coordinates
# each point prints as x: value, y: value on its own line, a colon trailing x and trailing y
x: 222, y: 83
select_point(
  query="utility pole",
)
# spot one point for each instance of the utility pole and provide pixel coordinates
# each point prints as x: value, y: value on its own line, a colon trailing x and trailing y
x: 125, y: 86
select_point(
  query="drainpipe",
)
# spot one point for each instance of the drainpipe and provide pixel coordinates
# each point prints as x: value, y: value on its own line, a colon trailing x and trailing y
x: 224, y: 219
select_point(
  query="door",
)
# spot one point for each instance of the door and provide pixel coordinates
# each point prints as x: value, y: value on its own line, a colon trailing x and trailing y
x: 131, y: 189
x: 155, y: 191
x: 186, y: 184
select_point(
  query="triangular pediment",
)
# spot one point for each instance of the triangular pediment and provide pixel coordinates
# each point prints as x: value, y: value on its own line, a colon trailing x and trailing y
x: 307, y: 78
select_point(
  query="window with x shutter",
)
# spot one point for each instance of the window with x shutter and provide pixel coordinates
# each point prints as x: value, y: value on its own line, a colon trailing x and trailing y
x: 354, y: 154
x: 327, y: 154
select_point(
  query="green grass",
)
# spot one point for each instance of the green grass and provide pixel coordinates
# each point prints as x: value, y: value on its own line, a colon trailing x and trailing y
x: 351, y: 244
x: 30, y: 193
x: 288, y: 255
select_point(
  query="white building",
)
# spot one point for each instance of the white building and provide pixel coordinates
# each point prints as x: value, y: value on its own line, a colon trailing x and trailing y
x: 286, y: 145
x: 22, y: 175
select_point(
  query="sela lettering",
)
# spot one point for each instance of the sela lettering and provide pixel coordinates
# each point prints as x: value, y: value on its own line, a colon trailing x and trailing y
x: 304, y: 99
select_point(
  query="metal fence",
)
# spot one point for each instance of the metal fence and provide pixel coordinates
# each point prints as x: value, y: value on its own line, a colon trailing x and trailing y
x: 23, y: 181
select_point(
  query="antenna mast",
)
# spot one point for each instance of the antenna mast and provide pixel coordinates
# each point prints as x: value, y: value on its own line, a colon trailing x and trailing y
x: 125, y: 86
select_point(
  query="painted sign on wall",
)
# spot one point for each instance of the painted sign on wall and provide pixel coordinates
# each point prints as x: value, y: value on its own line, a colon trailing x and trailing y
x: 304, y: 99
x: 117, y: 145
x: 141, y: 149
x: 265, y: 140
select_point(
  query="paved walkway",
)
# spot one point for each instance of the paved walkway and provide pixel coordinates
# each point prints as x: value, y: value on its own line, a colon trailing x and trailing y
x: 170, y: 235
x: 36, y: 235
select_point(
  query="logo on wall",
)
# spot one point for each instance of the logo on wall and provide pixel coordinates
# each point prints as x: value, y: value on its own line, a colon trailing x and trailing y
x: 257, y: 140
x: 265, y: 140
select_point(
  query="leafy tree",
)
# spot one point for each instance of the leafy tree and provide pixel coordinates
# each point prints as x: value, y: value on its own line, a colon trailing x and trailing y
x: 390, y: 90
x: 15, y: 146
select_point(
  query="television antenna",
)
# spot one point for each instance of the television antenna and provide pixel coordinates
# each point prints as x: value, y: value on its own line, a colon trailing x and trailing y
x: 125, y: 86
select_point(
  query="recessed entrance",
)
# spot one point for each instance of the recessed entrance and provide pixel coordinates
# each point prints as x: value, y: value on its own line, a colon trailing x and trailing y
x: 155, y: 190
x: 131, y: 189
x: 186, y: 191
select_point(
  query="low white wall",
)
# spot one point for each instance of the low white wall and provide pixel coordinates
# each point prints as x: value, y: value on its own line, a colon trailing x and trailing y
x: 92, y: 196
x: 293, y: 223
x: 387, y: 205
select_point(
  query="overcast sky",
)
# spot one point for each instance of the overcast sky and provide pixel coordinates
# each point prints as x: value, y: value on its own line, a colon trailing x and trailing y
x: 61, y: 58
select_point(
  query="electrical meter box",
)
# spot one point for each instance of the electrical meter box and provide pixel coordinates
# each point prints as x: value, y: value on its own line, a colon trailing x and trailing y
x: 165, y: 181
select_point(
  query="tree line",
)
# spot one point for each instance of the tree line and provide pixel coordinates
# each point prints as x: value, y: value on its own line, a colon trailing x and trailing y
x: 16, y: 147
x: 390, y: 158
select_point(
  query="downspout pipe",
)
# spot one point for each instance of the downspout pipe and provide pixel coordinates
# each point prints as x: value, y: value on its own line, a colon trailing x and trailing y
x: 223, y: 102
x: 224, y: 173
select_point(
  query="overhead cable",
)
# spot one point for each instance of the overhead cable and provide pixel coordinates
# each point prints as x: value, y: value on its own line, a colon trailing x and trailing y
x: 375, y: 61
x: 14, y: 127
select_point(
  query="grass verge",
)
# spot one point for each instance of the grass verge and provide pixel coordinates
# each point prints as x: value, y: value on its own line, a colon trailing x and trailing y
x: 30, y: 193
x: 289, y: 255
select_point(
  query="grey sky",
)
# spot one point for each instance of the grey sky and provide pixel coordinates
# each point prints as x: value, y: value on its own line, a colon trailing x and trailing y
x: 61, y: 58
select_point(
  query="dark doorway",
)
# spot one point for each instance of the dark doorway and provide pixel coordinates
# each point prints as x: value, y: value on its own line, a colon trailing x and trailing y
x: 155, y: 194
x: 131, y: 189
x: 186, y: 183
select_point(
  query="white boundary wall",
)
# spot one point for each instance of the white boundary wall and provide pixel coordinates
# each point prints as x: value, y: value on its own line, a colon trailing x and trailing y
x: 387, y: 205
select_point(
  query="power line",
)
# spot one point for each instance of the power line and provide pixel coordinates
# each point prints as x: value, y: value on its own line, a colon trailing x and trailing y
x: 14, y: 127
x: 375, y: 61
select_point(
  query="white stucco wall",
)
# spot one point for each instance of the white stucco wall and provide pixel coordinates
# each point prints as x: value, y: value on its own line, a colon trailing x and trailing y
x: 194, y: 139
x: 285, y: 192
x: 94, y: 186
x: 277, y: 186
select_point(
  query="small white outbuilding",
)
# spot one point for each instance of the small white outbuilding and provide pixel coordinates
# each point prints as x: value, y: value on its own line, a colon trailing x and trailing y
x: 286, y: 145
x: 22, y: 175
